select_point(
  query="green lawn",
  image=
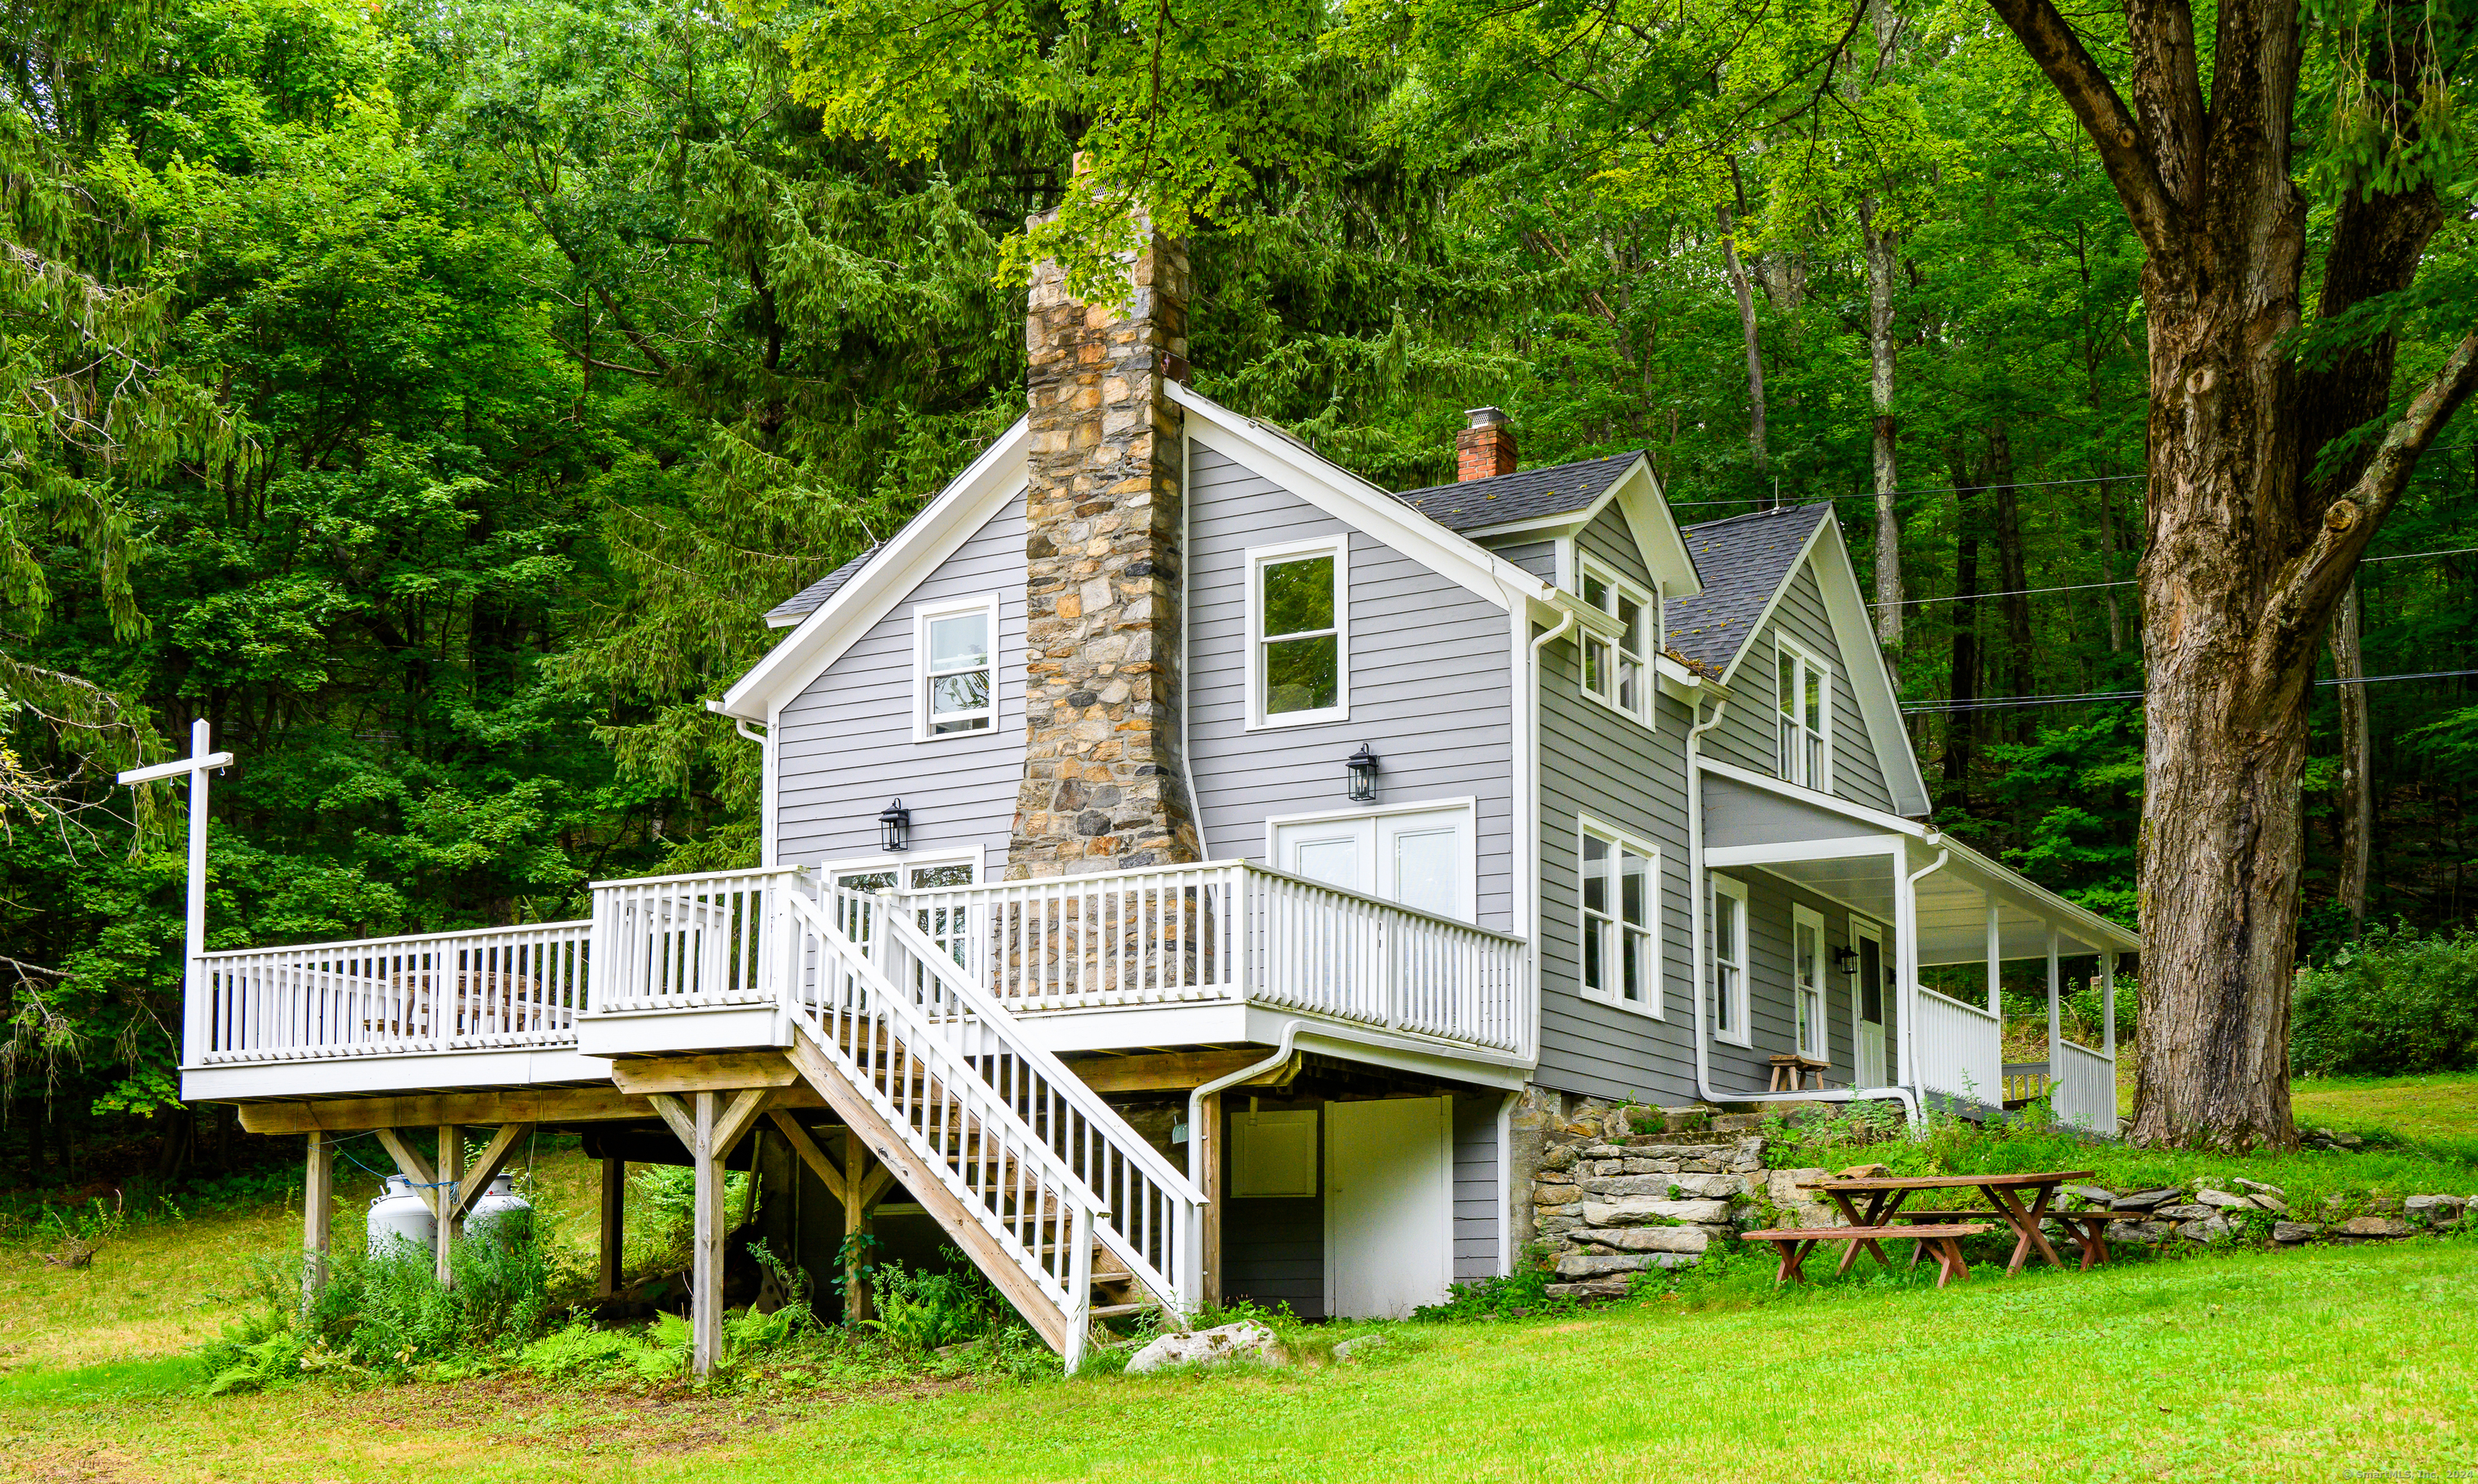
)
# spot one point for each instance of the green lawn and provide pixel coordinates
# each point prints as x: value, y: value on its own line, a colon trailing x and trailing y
x: 2320, y: 1364
x: 2439, y: 1109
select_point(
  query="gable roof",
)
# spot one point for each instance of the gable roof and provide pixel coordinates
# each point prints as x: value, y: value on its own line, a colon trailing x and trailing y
x: 809, y: 599
x: 1526, y: 495
x: 1745, y: 559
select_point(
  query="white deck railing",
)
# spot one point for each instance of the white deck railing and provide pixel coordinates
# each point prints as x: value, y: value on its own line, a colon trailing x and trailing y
x: 1960, y: 1048
x: 490, y: 988
x: 2082, y: 1088
x: 688, y: 943
x: 1234, y: 931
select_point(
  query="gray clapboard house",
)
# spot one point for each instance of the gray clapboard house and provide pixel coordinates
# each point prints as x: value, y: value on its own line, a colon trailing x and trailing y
x: 1186, y: 864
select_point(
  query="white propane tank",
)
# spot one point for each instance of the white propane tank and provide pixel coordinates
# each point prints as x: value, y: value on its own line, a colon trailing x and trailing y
x: 501, y: 1213
x: 399, y: 1218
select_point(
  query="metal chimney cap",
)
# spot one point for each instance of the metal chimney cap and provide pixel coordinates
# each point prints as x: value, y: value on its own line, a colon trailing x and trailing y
x: 1487, y: 416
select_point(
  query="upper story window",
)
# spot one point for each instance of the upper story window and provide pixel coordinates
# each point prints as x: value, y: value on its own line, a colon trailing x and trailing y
x: 1618, y: 672
x: 1730, y: 959
x: 954, y: 649
x: 1805, y: 712
x: 1621, y: 919
x: 1297, y: 634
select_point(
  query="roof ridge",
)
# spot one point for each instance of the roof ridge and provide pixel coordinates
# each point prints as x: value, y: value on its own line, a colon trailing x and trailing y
x: 1537, y: 471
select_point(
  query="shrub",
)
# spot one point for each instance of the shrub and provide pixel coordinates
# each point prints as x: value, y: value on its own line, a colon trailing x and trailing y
x: 2390, y: 1004
x: 924, y: 1310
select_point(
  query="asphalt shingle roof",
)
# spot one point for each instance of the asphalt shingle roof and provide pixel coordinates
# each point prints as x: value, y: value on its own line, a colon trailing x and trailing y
x: 1526, y: 495
x: 1742, y: 560
x: 809, y: 599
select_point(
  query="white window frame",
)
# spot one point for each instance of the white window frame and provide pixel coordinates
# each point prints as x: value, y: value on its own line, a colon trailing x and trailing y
x: 1338, y: 547
x: 970, y: 856
x: 1612, y: 927
x: 1790, y: 765
x: 1819, y: 963
x: 922, y: 614
x: 1730, y: 998
x: 1594, y: 571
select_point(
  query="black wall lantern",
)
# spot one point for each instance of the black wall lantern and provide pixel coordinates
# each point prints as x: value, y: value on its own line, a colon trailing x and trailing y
x: 1846, y: 960
x: 1361, y: 765
x: 893, y: 824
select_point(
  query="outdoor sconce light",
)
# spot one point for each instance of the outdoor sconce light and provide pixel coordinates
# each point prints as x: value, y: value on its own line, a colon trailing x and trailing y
x: 894, y: 823
x: 1846, y: 960
x: 1361, y: 765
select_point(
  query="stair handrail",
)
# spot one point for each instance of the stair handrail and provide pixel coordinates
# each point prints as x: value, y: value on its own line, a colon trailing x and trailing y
x: 954, y: 1070
x: 991, y: 1014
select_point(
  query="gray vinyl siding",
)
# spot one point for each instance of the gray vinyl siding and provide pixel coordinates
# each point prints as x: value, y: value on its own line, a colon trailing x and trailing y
x: 845, y: 748
x: 1741, y: 814
x: 1431, y: 689
x: 1611, y: 542
x: 1595, y: 762
x: 1476, y: 1204
x: 1539, y: 558
x: 1770, y: 1012
x: 1746, y: 734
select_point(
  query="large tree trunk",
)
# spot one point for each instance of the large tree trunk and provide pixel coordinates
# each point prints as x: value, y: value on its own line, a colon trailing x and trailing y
x: 1739, y: 284
x: 2357, y: 756
x: 1880, y: 396
x: 2246, y: 556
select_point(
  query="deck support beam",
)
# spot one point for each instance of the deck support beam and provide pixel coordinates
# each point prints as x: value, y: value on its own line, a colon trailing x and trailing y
x: 318, y: 1208
x: 451, y: 1179
x: 1206, y: 1141
x: 709, y: 1126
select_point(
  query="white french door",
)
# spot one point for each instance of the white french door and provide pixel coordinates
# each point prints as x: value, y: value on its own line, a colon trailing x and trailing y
x: 1869, y: 986
x: 1421, y: 858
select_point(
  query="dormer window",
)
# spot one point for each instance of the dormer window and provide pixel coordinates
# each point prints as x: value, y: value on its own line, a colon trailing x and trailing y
x: 1804, y: 713
x: 1617, y: 672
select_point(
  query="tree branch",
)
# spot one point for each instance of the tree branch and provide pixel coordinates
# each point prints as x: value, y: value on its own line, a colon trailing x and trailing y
x: 2132, y: 167
x: 2302, y: 600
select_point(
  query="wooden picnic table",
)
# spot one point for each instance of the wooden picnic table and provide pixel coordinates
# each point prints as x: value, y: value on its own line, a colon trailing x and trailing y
x: 1885, y: 1193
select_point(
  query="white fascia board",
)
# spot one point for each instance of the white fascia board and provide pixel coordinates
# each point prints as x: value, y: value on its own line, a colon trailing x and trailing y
x: 945, y: 523
x: 1656, y: 532
x: 1879, y: 700
x: 1353, y: 500
x: 2030, y: 895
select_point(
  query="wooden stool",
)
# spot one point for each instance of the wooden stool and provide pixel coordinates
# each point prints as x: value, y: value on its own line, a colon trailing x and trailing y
x: 1789, y: 1071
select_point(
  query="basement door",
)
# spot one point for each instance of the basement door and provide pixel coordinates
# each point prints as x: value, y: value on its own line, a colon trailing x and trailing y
x: 1389, y: 1209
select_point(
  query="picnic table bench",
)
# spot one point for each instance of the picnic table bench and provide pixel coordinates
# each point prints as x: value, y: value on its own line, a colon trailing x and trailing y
x: 1944, y: 1239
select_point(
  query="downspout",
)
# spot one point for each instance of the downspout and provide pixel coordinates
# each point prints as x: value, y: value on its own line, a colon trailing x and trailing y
x: 1528, y: 819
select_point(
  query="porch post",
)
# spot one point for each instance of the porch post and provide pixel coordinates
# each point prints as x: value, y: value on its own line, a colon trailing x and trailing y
x: 614, y: 1216
x: 1996, y: 957
x: 705, y: 1262
x: 1906, y: 963
x: 1205, y: 1145
x: 2056, y: 1033
x: 450, y: 1175
x: 2108, y: 1003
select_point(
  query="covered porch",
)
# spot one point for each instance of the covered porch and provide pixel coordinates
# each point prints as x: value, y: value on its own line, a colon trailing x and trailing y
x: 1945, y: 908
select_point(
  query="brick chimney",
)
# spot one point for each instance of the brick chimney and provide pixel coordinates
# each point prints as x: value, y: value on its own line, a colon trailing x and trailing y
x: 1104, y: 781
x: 1485, y: 449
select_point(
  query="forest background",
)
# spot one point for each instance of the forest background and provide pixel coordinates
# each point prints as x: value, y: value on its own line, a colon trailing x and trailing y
x: 433, y: 397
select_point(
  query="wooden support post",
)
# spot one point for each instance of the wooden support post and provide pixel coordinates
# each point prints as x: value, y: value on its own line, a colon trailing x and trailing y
x: 2107, y: 1004
x: 615, y: 1214
x: 1206, y: 1141
x: 709, y: 1128
x: 856, y: 1208
x: 317, y: 1206
x: 451, y: 1181
x: 2056, y: 1022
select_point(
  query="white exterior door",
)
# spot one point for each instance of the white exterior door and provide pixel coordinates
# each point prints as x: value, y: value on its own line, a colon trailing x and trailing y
x: 1389, y: 1211
x: 1869, y: 985
x: 1419, y: 857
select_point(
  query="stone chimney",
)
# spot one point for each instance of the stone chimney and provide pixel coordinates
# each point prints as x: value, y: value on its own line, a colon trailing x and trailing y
x: 1485, y: 449
x: 1104, y: 781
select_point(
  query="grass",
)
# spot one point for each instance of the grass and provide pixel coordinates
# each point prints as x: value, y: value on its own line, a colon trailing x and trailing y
x: 2309, y: 1365
x: 2438, y: 1110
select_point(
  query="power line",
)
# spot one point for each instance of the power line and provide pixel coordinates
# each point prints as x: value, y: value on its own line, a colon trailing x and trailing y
x: 1870, y: 498
x: 2007, y: 702
x: 2128, y: 582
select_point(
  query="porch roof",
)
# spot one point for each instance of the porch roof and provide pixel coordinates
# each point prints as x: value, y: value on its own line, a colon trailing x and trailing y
x: 1853, y: 854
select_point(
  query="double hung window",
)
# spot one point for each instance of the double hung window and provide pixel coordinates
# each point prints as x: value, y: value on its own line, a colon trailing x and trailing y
x: 1730, y: 959
x: 1804, y: 710
x: 955, y: 653
x: 1297, y: 634
x: 1618, y: 671
x: 1620, y: 916
x: 1806, y: 965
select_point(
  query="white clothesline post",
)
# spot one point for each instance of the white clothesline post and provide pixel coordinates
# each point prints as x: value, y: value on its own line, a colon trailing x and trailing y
x: 197, y: 765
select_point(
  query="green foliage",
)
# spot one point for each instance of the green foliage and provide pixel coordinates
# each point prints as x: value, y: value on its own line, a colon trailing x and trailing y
x: 922, y: 1309
x: 2391, y: 1003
